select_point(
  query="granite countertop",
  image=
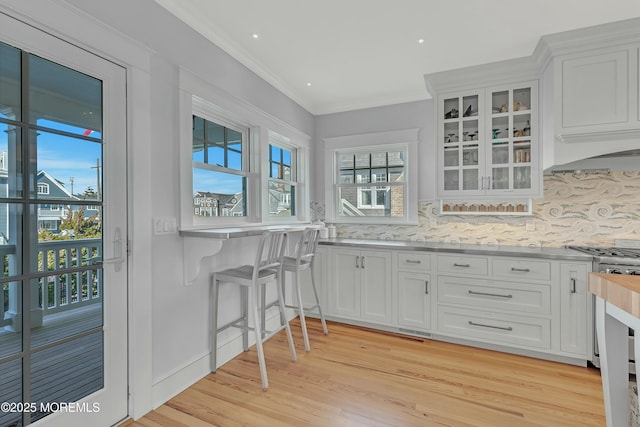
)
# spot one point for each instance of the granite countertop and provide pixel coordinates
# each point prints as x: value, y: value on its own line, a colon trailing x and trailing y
x: 531, y: 252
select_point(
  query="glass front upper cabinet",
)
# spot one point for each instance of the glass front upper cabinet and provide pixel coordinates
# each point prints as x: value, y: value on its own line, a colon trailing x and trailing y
x: 461, y: 137
x: 488, y: 142
x: 511, y: 135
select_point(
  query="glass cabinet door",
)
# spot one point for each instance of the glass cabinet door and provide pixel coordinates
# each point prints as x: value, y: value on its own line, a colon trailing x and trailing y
x: 509, y: 159
x: 461, y: 139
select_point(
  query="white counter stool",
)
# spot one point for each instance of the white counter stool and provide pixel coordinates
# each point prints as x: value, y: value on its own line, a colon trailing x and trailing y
x: 305, y: 253
x: 266, y: 269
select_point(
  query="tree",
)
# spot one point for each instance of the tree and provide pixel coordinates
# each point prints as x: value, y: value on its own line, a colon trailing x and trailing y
x: 80, y: 226
x: 89, y: 194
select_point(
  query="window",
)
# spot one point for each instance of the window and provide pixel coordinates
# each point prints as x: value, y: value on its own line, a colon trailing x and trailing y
x: 357, y: 171
x: 43, y: 188
x: 282, y: 179
x: 239, y: 166
x: 220, y: 169
x: 373, y: 178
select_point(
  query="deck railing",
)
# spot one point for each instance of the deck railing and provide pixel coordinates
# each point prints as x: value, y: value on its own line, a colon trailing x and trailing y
x: 5, y: 252
x: 72, y: 282
x: 63, y: 290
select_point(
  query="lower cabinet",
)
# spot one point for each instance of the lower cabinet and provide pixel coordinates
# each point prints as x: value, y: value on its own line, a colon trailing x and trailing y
x: 538, y: 306
x: 574, y: 297
x: 502, y: 328
x: 414, y: 300
x: 360, y: 285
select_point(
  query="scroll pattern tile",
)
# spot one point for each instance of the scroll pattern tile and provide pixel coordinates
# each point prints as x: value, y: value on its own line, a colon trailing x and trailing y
x: 577, y: 209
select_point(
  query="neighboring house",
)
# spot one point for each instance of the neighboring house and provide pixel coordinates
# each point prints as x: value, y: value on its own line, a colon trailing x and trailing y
x: 50, y: 214
x: 214, y: 204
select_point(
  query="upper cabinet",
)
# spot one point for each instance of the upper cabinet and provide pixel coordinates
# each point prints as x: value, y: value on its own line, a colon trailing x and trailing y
x: 592, y: 94
x: 488, y: 142
x: 588, y: 105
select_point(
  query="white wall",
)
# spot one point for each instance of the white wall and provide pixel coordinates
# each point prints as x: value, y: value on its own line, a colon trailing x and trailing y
x: 411, y: 115
x: 180, y: 314
x: 169, y: 334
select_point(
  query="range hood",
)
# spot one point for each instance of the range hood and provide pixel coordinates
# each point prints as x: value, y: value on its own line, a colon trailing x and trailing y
x: 612, y: 162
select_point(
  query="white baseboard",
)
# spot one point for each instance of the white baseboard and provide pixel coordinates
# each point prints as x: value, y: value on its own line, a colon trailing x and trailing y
x: 193, y: 372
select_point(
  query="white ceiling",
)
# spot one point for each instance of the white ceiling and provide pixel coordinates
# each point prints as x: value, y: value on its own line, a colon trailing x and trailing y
x: 365, y: 53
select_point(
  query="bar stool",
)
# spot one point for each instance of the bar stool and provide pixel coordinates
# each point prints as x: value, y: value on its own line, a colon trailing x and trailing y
x: 305, y: 253
x: 267, y: 268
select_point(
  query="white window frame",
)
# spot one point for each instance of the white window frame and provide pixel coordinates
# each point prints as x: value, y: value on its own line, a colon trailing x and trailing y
x: 44, y: 186
x: 246, y: 163
x: 298, y: 170
x: 406, y: 140
x: 197, y: 97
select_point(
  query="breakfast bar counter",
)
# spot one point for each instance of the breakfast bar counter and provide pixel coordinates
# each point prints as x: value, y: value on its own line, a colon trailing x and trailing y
x: 617, y: 309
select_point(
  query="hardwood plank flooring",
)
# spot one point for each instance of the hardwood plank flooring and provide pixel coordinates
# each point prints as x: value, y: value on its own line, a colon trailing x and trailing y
x: 359, y: 377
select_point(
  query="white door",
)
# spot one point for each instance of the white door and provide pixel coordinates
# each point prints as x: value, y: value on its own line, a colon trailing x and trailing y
x: 63, y: 299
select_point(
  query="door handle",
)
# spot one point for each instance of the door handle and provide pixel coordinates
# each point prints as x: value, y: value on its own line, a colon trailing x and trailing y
x: 118, y: 257
x: 573, y: 285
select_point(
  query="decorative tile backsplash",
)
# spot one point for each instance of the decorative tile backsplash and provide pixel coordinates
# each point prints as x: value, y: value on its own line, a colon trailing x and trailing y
x: 577, y: 209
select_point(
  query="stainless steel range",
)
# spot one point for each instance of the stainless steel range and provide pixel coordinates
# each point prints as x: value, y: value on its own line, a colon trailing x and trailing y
x: 615, y: 260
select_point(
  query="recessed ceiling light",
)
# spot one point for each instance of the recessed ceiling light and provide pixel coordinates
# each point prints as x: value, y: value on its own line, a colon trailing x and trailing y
x: 309, y: 84
x: 420, y: 41
x: 255, y: 36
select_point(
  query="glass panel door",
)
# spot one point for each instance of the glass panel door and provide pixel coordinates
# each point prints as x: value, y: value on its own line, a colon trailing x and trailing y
x: 510, y: 156
x: 57, y: 293
x: 461, y: 141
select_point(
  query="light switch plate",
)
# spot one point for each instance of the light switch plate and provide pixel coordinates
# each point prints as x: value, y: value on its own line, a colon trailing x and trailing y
x: 164, y: 225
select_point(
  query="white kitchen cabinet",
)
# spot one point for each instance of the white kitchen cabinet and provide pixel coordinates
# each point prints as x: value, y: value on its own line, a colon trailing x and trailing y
x: 595, y: 91
x: 360, y: 285
x: 488, y: 142
x: 575, y: 304
x: 592, y: 92
x: 536, y: 306
x: 414, y: 291
x: 496, y: 327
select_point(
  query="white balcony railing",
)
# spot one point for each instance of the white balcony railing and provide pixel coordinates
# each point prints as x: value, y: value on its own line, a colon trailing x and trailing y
x: 62, y: 290
x: 70, y: 283
x: 5, y: 252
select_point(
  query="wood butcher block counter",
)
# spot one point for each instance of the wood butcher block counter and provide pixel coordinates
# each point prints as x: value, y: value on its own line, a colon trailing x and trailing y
x: 617, y: 309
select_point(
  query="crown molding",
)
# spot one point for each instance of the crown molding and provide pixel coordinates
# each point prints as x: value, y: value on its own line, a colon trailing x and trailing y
x: 531, y: 67
x: 589, y: 38
x: 485, y: 75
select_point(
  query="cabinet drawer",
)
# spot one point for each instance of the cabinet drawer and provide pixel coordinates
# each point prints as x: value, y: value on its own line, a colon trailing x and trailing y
x: 500, y: 328
x: 462, y: 264
x: 518, y: 268
x: 414, y: 261
x: 518, y: 297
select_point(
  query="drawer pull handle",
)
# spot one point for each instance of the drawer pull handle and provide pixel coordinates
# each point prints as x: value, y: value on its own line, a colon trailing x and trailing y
x: 413, y: 261
x: 490, y: 295
x: 491, y: 326
x: 461, y: 265
x: 523, y: 270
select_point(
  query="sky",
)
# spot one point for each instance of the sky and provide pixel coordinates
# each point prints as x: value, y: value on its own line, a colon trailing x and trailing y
x: 64, y: 157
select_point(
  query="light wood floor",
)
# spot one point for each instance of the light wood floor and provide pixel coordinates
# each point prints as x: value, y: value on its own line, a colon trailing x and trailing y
x: 359, y: 377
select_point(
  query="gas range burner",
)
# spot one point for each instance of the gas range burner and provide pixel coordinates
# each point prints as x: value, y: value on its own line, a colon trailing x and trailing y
x: 608, y: 252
